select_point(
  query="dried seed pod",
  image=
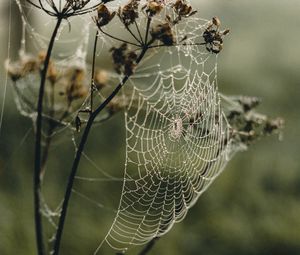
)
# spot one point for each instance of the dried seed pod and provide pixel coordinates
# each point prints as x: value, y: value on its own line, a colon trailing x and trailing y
x: 75, y: 84
x: 273, y: 125
x: 183, y: 9
x: 129, y: 13
x: 213, y: 37
x: 216, y: 21
x: 104, y: 16
x: 153, y: 7
x: 163, y: 33
x: 119, y: 57
x: 124, y: 60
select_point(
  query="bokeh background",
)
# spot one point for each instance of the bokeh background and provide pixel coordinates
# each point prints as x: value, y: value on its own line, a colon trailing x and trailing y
x: 252, y: 208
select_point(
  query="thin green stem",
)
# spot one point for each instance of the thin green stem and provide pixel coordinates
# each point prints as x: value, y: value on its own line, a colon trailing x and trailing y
x: 38, y: 138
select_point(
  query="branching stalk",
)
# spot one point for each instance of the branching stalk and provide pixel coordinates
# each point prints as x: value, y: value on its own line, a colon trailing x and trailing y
x: 38, y: 138
x: 79, y: 152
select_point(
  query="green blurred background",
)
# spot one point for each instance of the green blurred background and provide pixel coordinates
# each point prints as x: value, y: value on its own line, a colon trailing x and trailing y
x: 252, y: 208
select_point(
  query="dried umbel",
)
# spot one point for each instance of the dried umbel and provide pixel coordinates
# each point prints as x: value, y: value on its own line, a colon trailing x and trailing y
x: 66, y: 8
x: 213, y: 37
x: 249, y: 126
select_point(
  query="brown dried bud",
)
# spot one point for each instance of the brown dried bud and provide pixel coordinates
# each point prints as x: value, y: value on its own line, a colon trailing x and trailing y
x: 104, y: 16
x: 153, y: 7
x: 183, y: 9
x: 213, y: 37
x: 129, y: 13
x: 226, y: 32
x: 163, y: 33
x: 75, y: 84
x: 216, y: 21
x: 273, y: 125
x: 124, y: 60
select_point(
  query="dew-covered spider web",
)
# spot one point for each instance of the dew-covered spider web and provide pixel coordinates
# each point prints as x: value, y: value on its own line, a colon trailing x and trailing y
x: 178, y: 139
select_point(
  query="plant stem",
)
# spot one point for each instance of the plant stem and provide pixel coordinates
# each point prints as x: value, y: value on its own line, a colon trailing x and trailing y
x: 93, y: 71
x: 79, y: 152
x: 38, y: 138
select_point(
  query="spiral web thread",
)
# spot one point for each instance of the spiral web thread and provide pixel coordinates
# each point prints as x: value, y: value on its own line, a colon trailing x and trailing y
x: 177, y: 140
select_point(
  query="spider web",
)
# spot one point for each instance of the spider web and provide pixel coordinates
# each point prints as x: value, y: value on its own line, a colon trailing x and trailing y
x: 177, y: 136
x: 177, y: 139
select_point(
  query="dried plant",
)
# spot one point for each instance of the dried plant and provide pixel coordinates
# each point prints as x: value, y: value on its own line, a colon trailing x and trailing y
x: 72, y: 89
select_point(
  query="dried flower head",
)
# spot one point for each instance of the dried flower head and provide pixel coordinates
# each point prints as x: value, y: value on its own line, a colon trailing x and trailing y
x: 104, y: 16
x: 213, y: 37
x: 163, y: 33
x: 182, y: 9
x: 65, y: 8
x: 75, y: 84
x: 248, y: 103
x: 273, y: 125
x: 124, y: 59
x: 129, y: 13
x: 153, y: 7
x: 28, y: 64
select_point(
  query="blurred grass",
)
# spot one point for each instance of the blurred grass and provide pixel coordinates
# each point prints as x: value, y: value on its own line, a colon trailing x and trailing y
x: 252, y: 208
